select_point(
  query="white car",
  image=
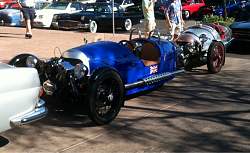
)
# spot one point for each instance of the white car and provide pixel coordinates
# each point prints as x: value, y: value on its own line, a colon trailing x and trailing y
x: 44, y: 16
x: 20, y: 101
x: 123, y: 3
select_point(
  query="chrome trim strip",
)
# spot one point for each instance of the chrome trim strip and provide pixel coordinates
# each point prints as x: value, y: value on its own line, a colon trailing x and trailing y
x: 36, y: 114
x: 152, y: 79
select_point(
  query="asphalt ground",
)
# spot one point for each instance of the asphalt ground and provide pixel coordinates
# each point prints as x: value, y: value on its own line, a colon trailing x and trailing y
x: 195, y: 112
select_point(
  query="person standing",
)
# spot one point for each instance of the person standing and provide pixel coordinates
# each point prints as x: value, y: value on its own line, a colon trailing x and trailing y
x: 175, y: 22
x: 27, y: 11
x: 149, y: 16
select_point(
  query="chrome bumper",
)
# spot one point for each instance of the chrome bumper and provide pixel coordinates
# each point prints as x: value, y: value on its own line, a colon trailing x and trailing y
x: 79, y: 26
x: 39, y: 112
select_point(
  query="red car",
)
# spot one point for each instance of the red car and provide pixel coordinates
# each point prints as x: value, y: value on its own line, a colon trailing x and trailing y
x: 4, y: 3
x: 190, y: 7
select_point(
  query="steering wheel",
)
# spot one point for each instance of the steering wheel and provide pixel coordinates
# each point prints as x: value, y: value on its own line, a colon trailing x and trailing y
x: 123, y: 42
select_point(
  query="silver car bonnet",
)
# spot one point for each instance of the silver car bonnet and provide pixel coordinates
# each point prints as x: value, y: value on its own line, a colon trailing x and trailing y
x: 77, y: 54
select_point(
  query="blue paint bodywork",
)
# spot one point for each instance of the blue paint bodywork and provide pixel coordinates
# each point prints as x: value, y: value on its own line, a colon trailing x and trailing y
x: 130, y: 67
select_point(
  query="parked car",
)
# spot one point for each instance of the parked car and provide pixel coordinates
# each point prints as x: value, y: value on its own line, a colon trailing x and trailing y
x: 241, y: 31
x: 11, y: 15
x: 19, y: 96
x: 204, y: 44
x: 190, y: 7
x: 234, y: 8
x: 44, y: 17
x: 100, y: 74
x: 123, y: 3
x: 95, y: 17
x: 5, y: 3
x: 136, y: 9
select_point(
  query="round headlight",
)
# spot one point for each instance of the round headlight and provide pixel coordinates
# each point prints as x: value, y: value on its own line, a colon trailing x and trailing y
x: 80, y: 70
x: 82, y: 18
x: 31, y: 61
x: 55, y: 17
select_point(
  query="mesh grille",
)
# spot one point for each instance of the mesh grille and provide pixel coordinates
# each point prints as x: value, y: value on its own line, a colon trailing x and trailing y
x: 68, y: 23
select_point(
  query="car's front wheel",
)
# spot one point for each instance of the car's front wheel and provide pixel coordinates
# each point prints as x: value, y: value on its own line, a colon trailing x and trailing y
x: 127, y: 25
x: 215, y: 57
x: 104, y: 97
x: 92, y: 26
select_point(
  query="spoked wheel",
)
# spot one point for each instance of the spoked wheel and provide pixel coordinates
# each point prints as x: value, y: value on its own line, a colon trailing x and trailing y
x: 93, y: 27
x: 215, y: 57
x: 104, y: 97
x: 127, y: 25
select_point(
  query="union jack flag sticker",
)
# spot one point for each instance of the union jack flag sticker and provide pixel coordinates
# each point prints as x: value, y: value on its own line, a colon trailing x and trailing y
x: 153, y: 69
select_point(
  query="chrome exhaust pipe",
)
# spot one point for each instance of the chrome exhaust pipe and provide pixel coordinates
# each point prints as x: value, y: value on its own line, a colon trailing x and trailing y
x: 152, y: 79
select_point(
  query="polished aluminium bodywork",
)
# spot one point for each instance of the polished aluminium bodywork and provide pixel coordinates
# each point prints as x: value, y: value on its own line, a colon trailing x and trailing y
x: 197, y: 41
x: 19, y: 97
x: 139, y: 64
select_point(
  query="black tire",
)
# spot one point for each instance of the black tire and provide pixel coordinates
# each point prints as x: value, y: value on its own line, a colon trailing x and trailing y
x: 93, y: 26
x: 104, y: 97
x: 127, y: 25
x: 215, y: 57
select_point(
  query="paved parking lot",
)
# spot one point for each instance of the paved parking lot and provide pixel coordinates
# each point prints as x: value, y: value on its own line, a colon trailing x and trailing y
x: 196, y: 112
x: 44, y: 41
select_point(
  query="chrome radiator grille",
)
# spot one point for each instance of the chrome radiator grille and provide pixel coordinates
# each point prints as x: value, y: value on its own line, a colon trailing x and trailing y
x: 68, y: 23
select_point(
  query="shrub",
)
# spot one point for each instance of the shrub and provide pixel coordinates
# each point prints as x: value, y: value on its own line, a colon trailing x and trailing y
x: 216, y: 18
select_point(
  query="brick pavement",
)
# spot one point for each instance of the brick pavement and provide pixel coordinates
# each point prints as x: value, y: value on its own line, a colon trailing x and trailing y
x: 44, y: 41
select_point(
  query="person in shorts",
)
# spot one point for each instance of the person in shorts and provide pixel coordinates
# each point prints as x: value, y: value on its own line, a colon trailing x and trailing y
x: 149, y: 16
x: 27, y: 11
x: 175, y: 22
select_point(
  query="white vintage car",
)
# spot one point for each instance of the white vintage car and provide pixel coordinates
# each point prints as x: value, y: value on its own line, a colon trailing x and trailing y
x: 20, y: 101
x: 44, y: 16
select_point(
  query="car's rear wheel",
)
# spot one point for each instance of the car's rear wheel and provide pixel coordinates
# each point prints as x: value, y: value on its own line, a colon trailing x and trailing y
x: 104, y: 97
x: 186, y: 14
x: 215, y: 57
x: 93, y: 26
x: 127, y: 25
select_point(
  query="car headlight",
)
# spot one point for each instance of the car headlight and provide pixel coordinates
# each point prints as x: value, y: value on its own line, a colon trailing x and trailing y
x: 82, y: 18
x: 80, y: 70
x: 55, y: 17
x: 40, y: 16
x: 31, y: 61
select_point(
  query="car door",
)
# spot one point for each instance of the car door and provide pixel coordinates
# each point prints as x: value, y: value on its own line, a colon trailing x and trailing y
x: 105, y: 16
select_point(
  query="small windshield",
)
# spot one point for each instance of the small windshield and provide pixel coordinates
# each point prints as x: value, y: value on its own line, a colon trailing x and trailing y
x: 57, y: 5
